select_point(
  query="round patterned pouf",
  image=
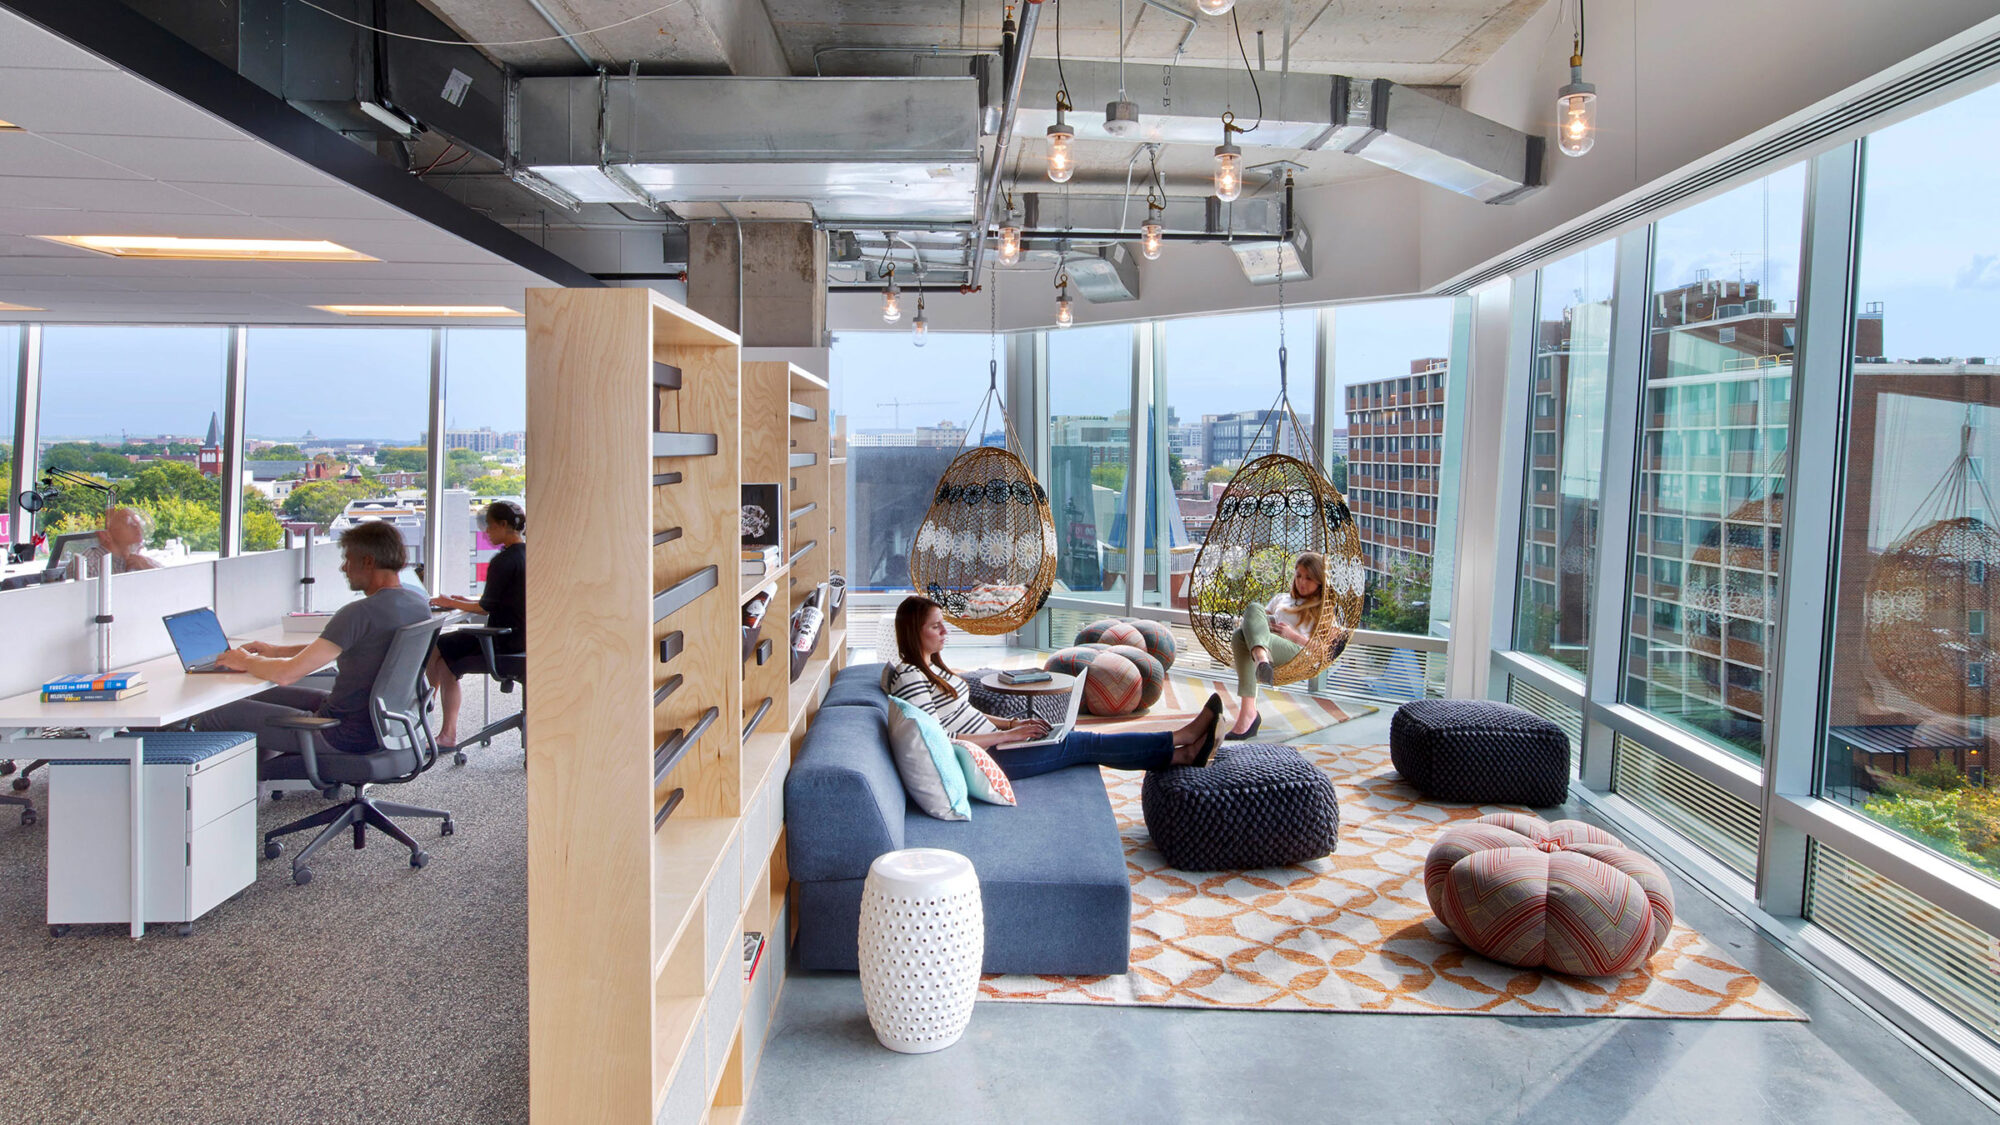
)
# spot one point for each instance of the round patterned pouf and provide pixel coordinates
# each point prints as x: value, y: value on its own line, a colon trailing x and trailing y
x: 1563, y: 896
x: 1123, y: 680
x: 1254, y: 806
x: 1152, y: 636
x: 923, y: 936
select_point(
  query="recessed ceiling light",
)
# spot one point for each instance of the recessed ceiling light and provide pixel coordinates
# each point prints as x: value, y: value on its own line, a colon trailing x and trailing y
x: 419, y: 310
x: 10, y: 127
x: 212, y: 249
x: 5, y: 307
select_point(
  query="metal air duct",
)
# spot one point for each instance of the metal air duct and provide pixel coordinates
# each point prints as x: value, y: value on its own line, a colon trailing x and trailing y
x: 859, y: 149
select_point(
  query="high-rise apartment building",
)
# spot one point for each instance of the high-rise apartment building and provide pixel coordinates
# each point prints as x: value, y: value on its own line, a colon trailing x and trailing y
x: 1395, y: 443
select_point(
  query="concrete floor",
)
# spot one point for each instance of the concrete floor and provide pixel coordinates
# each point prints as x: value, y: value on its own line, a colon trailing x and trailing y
x: 1061, y: 1063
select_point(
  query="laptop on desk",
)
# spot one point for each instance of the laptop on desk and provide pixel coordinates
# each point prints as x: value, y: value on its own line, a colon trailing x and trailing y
x: 198, y: 639
x: 1056, y: 734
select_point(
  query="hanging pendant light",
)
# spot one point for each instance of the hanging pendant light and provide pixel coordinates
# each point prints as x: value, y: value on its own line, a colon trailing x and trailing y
x: 1010, y: 234
x: 892, y: 300
x: 1576, y: 103
x: 1215, y: 7
x: 1062, y: 164
x: 1228, y: 163
x: 1065, y: 309
x: 1152, y: 230
x: 920, y: 327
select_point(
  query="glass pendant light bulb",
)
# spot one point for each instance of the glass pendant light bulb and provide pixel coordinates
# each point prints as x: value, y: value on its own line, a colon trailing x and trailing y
x: 1228, y: 172
x: 1010, y: 242
x: 1215, y: 7
x: 1150, y: 244
x: 1062, y: 164
x: 920, y: 327
x: 1065, y: 312
x: 1576, y: 112
x: 892, y: 302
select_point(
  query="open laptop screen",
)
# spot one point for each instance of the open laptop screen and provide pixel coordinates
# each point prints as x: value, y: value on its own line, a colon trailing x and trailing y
x: 198, y: 637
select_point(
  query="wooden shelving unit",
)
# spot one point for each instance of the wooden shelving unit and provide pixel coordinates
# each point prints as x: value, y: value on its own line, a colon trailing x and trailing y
x: 656, y: 774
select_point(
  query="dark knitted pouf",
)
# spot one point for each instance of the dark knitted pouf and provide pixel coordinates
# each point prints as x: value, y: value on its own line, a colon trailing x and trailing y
x: 1481, y: 752
x: 1254, y: 806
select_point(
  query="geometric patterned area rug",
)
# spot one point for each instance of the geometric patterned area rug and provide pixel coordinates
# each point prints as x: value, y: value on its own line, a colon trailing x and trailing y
x: 1353, y: 932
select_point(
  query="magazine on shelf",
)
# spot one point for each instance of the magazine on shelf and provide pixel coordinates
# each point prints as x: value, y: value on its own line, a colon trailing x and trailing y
x: 753, y: 953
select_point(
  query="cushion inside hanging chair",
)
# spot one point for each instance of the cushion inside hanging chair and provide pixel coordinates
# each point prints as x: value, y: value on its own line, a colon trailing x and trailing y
x: 1276, y: 508
x: 986, y: 550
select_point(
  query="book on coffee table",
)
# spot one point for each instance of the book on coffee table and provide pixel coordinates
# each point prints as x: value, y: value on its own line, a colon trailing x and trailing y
x: 1025, y: 676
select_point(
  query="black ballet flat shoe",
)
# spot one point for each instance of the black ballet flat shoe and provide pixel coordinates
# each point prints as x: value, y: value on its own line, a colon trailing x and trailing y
x: 1256, y: 724
x: 1267, y: 675
x: 1214, y: 708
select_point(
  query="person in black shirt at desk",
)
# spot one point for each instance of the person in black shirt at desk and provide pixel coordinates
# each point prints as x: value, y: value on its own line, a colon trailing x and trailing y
x: 505, y: 604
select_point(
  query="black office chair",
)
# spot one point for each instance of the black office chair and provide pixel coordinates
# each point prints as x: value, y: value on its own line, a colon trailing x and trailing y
x: 397, y: 703
x: 22, y: 782
x: 508, y: 669
x: 28, y: 816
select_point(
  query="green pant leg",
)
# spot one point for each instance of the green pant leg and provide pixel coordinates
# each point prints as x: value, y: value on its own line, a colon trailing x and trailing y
x: 1253, y: 632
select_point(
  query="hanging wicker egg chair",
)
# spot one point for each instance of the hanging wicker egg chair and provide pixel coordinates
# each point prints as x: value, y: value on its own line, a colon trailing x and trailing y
x: 986, y: 550
x: 1276, y: 508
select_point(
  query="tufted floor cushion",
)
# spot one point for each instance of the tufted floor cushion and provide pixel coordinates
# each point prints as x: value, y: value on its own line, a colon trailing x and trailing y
x: 1481, y: 752
x: 1563, y: 896
x: 1152, y: 636
x: 1123, y: 680
x: 1254, y: 806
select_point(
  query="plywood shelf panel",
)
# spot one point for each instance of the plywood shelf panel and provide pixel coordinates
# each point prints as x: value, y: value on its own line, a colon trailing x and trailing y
x: 764, y: 582
x: 686, y: 852
x: 676, y: 1019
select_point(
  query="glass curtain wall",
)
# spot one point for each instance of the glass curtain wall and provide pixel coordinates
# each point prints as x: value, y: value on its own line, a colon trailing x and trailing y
x: 1917, y: 604
x: 1715, y: 421
x: 10, y: 371
x: 311, y: 454
x: 1089, y: 443
x: 485, y: 440
x: 1561, y: 491
x: 137, y: 410
x: 907, y: 409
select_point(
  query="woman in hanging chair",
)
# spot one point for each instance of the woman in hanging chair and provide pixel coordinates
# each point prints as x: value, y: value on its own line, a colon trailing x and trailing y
x: 922, y: 679
x: 1272, y: 634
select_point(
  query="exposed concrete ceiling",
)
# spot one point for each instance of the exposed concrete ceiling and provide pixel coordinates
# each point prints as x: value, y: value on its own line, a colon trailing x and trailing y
x: 104, y: 152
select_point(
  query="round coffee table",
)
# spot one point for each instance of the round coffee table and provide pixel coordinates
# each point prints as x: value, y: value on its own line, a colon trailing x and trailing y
x: 1036, y: 699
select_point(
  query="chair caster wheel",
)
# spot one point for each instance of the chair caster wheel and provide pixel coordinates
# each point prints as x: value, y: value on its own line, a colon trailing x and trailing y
x: 302, y: 875
x: 21, y: 784
x: 277, y: 794
x: 459, y: 758
x: 185, y: 929
x: 7, y: 768
x: 28, y: 818
x: 419, y: 859
x: 447, y: 828
x: 58, y: 931
x: 273, y: 849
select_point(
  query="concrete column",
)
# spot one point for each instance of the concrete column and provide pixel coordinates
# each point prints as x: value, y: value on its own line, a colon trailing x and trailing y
x: 779, y: 298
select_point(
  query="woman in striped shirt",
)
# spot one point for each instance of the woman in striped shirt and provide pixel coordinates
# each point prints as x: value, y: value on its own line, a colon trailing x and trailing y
x: 921, y: 678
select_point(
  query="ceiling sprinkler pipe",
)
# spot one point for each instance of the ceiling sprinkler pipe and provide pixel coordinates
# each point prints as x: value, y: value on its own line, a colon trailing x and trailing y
x: 1017, y: 76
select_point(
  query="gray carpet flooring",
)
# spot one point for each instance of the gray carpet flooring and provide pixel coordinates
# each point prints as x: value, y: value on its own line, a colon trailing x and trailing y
x: 377, y: 992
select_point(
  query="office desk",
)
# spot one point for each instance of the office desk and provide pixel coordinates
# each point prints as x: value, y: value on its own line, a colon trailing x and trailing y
x: 171, y: 696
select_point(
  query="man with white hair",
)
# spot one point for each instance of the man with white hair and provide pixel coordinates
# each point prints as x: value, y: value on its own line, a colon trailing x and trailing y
x: 123, y: 533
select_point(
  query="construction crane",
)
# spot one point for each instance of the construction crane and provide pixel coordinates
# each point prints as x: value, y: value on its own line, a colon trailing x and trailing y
x: 898, y: 404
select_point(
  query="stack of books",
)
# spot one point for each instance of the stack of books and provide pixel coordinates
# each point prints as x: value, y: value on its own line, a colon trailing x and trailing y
x: 93, y: 689
x: 1025, y: 676
x: 759, y: 561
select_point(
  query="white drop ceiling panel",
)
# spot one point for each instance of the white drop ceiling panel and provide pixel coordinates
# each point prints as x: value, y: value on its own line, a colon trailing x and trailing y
x: 105, y: 152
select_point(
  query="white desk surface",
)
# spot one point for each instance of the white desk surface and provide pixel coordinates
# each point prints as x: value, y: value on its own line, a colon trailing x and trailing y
x: 171, y: 695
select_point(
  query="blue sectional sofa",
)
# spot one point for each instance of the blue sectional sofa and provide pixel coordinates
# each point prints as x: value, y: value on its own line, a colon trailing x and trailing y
x: 1051, y: 870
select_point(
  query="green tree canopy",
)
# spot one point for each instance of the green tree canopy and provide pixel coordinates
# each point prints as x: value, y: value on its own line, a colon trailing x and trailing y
x: 163, y: 480
x: 1177, y: 469
x: 1337, y: 473
x: 279, y: 453
x: 403, y: 459
x: 1400, y: 601
x: 322, y: 501
x: 1220, y: 474
x: 86, y: 457
x: 1108, y: 476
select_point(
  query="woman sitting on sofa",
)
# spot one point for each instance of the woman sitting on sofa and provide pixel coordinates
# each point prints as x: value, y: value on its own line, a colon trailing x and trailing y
x: 922, y: 679
x: 1273, y: 634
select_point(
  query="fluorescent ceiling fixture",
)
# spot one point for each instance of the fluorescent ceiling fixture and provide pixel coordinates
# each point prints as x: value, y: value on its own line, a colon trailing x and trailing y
x: 5, y: 307
x: 419, y: 310
x: 390, y: 118
x: 212, y: 249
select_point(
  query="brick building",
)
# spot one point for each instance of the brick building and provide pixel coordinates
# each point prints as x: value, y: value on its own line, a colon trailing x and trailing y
x: 1395, y: 444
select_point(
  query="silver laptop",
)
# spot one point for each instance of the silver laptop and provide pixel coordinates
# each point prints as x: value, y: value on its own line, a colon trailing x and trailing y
x: 1069, y: 721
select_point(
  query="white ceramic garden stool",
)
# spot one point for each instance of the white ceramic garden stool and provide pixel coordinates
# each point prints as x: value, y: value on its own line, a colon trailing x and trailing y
x: 923, y: 936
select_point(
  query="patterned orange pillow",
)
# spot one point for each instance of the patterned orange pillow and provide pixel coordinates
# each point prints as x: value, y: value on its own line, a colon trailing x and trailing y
x: 984, y: 780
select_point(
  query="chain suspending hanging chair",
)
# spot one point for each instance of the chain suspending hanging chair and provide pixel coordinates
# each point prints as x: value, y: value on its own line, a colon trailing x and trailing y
x: 1925, y: 588
x: 986, y: 550
x: 1277, y: 507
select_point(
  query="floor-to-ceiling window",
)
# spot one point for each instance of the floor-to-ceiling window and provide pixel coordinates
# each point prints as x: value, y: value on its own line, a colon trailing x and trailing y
x: 10, y: 352
x: 1089, y: 442
x: 908, y: 410
x: 131, y: 417
x: 485, y: 440
x: 1565, y: 450
x: 333, y: 416
x: 1715, y: 417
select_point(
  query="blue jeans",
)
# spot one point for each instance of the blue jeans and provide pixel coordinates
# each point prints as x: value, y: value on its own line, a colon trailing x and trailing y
x: 1146, y: 750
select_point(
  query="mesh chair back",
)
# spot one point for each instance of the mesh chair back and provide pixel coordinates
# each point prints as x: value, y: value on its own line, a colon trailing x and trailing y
x: 396, y: 699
